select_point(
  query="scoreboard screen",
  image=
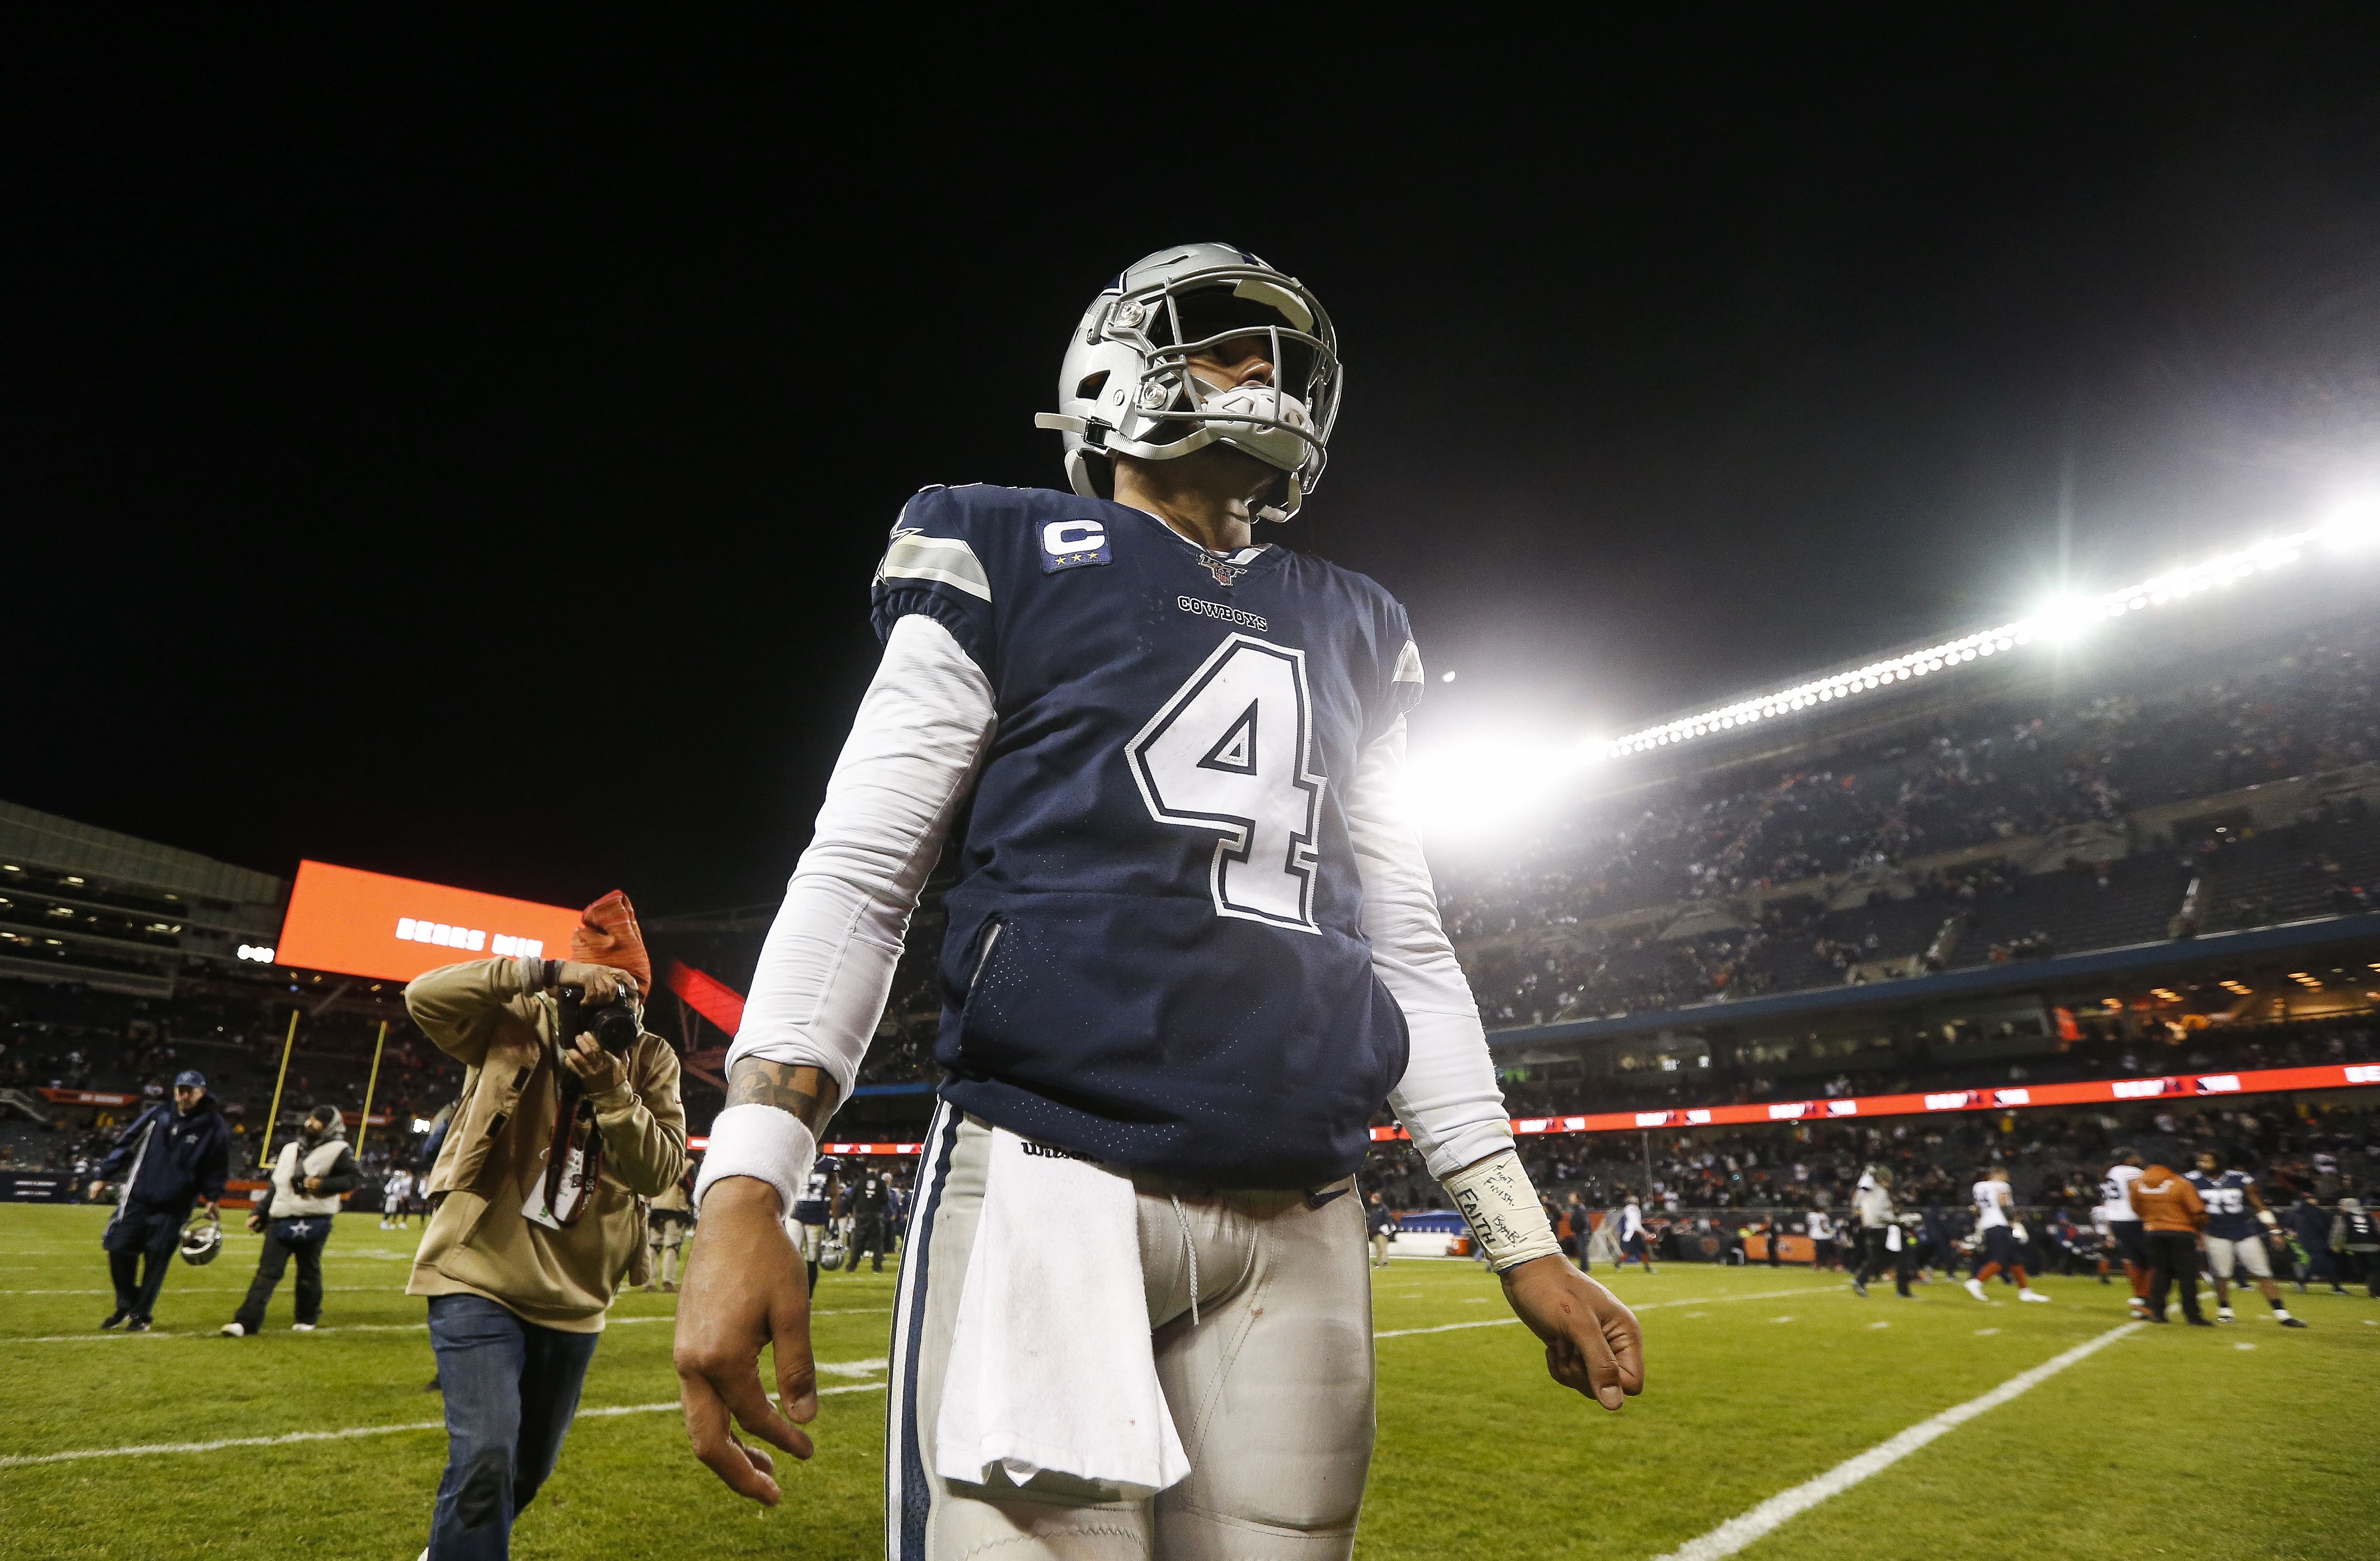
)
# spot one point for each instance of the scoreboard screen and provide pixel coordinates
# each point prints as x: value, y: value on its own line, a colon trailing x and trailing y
x: 354, y: 924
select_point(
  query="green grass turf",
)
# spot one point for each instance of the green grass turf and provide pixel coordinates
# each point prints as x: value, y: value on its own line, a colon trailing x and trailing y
x: 2172, y: 1441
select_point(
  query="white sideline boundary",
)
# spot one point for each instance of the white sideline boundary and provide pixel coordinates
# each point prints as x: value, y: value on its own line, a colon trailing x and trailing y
x: 157, y: 1449
x: 1736, y: 1532
x: 1649, y: 1306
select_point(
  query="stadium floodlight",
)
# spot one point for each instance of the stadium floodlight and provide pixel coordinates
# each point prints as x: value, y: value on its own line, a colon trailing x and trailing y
x: 2353, y: 526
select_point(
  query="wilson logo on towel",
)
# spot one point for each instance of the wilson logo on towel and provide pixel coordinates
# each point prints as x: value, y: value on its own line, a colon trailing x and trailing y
x: 1051, y: 1152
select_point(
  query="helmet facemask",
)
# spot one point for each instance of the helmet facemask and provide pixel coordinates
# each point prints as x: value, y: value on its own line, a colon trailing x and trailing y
x: 1128, y: 387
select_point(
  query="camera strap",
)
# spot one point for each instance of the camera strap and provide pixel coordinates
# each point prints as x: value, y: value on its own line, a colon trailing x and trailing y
x: 563, y: 1167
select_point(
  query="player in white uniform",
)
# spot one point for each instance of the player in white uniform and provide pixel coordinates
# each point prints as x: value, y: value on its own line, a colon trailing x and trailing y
x: 1634, y: 1242
x: 1998, y: 1245
x: 395, y: 1194
x: 1192, y: 950
x: 2122, y: 1223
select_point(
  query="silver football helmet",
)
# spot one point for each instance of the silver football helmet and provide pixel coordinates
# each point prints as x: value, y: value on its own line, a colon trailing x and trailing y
x: 1126, y: 387
x: 202, y: 1240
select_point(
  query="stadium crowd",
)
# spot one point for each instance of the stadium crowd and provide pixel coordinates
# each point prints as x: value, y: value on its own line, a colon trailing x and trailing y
x: 2004, y: 771
x: 77, y: 1038
x: 1718, y: 1182
x: 1917, y: 1062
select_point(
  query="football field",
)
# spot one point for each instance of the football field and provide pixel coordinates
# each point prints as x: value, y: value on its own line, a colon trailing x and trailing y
x: 1784, y: 1418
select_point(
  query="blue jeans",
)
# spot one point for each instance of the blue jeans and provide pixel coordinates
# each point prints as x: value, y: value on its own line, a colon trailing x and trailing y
x: 511, y: 1388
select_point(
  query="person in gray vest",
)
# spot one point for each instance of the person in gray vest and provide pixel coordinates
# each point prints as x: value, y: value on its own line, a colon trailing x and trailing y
x: 1883, y: 1244
x: 295, y: 1215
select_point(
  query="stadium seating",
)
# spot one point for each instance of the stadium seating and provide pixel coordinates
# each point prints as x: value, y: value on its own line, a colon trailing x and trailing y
x: 2050, y: 826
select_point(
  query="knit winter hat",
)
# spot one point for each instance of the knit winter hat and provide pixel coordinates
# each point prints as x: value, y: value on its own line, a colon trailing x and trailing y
x: 607, y: 934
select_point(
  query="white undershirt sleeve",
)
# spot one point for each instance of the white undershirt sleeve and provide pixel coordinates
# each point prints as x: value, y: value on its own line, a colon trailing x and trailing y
x: 1448, y: 1099
x: 826, y: 966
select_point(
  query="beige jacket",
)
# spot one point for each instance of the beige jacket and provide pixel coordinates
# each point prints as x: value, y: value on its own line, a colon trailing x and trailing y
x: 2165, y: 1201
x: 492, y: 1016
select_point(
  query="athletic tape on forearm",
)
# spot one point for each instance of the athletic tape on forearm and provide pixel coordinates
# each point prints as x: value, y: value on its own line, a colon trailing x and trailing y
x: 1503, y: 1210
x: 764, y: 1142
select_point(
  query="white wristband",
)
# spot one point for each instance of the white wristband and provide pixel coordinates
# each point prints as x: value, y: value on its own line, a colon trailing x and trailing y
x: 1503, y: 1210
x: 764, y: 1142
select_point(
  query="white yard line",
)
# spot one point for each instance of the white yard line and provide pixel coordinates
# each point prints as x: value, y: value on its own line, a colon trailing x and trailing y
x: 835, y: 1367
x: 326, y: 1328
x: 96, y: 1338
x: 152, y: 1449
x: 1649, y: 1306
x: 204, y: 1290
x: 1736, y: 1532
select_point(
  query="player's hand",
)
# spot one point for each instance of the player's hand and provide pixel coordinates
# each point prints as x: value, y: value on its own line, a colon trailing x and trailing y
x: 597, y: 1068
x: 601, y: 982
x: 256, y: 1222
x: 1592, y: 1341
x: 745, y: 1287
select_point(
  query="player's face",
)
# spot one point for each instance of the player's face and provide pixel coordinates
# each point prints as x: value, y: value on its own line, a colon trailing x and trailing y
x: 2206, y: 1162
x: 1236, y: 360
x: 186, y: 1097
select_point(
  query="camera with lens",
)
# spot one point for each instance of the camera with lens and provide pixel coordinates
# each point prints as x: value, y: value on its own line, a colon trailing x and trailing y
x: 614, y: 1025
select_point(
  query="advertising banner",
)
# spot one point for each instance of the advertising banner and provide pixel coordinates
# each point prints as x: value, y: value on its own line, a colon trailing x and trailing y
x: 354, y: 924
x: 2094, y: 1092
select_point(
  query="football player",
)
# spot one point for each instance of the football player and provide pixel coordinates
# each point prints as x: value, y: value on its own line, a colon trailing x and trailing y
x: 395, y: 1193
x: 1635, y: 1244
x: 2122, y: 1223
x: 811, y: 1211
x: 2236, y: 1222
x: 1191, y: 949
x: 1998, y: 1247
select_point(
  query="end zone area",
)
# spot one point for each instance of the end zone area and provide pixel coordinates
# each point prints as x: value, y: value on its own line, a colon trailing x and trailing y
x: 1762, y: 1380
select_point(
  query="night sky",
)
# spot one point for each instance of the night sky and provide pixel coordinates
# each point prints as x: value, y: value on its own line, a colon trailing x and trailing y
x: 464, y: 454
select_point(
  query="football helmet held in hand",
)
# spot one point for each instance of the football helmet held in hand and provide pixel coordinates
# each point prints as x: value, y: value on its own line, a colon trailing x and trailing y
x: 202, y: 1240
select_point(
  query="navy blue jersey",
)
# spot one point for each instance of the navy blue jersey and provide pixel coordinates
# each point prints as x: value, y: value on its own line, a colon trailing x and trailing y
x: 2229, y: 1215
x: 1155, y: 955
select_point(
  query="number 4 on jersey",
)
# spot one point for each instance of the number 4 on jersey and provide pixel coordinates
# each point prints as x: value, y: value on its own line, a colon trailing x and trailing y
x: 1228, y: 752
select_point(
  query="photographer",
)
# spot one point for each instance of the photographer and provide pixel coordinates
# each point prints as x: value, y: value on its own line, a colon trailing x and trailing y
x: 311, y: 1177
x: 569, y: 1117
x: 176, y: 1153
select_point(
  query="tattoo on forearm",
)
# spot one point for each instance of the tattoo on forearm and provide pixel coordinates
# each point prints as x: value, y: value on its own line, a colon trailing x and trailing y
x: 808, y: 1093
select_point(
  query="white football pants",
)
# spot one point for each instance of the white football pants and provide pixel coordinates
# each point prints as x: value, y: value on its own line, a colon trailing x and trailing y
x: 1270, y: 1388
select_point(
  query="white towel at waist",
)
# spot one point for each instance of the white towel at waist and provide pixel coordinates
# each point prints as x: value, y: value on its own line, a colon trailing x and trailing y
x: 1051, y: 1365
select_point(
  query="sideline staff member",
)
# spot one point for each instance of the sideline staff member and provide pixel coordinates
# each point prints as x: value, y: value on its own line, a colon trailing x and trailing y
x: 310, y: 1179
x: 2174, y: 1214
x: 538, y: 1221
x: 1883, y: 1244
x: 178, y: 1153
